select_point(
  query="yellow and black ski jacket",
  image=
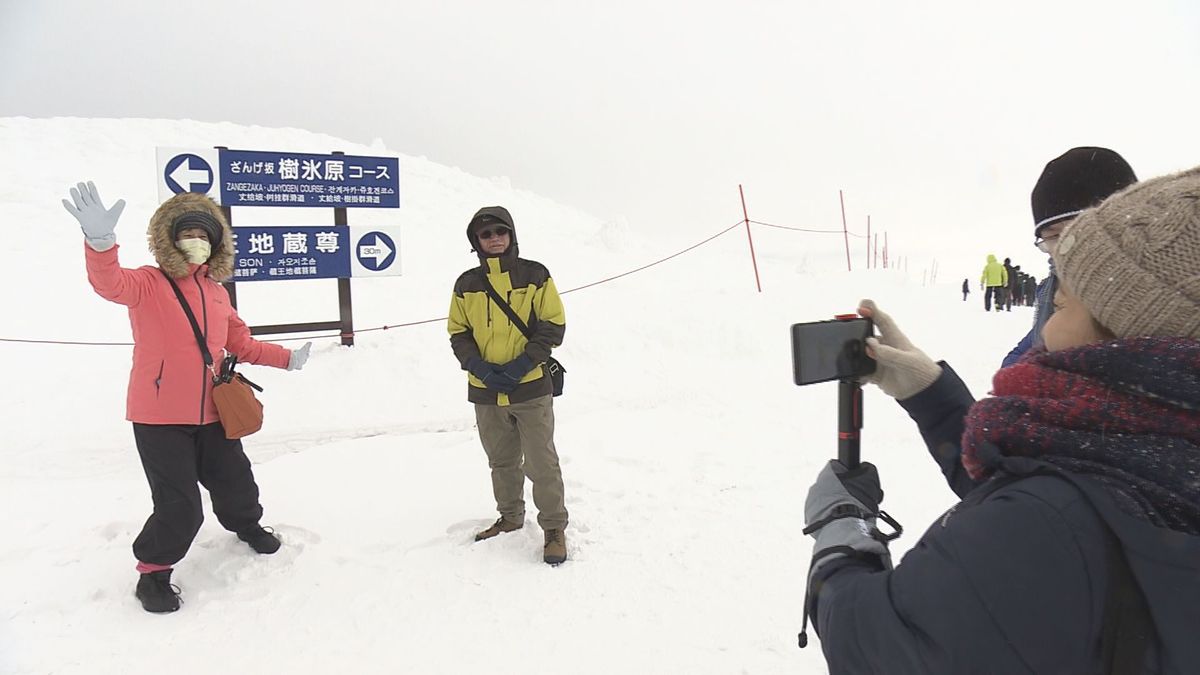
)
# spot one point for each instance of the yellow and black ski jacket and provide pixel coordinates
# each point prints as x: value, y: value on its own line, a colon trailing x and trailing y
x: 479, y: 328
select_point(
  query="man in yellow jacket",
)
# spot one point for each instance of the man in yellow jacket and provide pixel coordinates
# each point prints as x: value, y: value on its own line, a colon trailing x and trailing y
x: 995, y: 280
x: 507, y: 378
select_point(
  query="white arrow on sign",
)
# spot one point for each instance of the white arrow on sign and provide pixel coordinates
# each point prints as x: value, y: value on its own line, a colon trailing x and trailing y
x: 379, y: 251
x: 185, y: 176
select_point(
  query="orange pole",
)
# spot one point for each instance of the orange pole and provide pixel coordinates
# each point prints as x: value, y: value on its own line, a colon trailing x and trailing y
x: 746, y: 218
x: 845, y: 230
x: 868, y: 242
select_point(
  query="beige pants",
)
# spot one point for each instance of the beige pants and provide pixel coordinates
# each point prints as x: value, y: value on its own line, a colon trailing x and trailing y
x: 519, y: 442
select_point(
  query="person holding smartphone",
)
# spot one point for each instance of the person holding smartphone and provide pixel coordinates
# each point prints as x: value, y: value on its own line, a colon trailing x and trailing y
x: 1076, y: 546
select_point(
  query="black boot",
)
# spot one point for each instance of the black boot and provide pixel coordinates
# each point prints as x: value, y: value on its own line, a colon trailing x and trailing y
x: 260, y: 539
x: 157, y: 593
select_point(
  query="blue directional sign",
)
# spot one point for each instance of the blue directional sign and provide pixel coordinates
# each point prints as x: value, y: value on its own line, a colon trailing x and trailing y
x: 375, y: 251
x: 188, y: 173
x: 284, y: 253
x: 253, y: 178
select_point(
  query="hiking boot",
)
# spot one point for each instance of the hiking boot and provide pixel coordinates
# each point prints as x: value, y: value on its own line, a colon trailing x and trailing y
x: 499, y: 527
x: 261, y: 539
x: 555, y: 551
x: 157, y: 593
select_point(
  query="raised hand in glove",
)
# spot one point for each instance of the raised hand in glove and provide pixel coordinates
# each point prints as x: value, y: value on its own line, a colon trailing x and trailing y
x: 491, y: 375
x: 98, y: 223
x: 299, y: 357
x: 901, y: 371
x: 517, y: 368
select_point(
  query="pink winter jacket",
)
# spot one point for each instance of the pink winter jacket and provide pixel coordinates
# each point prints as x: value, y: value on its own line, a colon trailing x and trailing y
x: 169, y: 383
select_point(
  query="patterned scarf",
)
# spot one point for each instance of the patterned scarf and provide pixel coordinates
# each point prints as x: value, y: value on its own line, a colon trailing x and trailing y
x: 1125, y: 413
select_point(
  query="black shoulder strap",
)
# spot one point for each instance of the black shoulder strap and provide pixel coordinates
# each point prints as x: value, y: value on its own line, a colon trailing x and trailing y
x: 504, y: 307
x: 1127, y: 629
x: 208, y: 359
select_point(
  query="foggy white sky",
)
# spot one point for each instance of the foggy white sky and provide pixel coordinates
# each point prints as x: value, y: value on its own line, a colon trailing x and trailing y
x: 934, y: 117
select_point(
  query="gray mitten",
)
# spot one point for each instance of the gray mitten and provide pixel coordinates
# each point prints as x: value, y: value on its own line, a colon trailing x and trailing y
x: 299, y: 357
x: 98, y: 223
x: 901, y: 371
x: 840, y: 513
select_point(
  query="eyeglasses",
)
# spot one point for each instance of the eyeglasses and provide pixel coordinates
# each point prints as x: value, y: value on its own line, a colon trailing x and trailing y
x: 488, y: 234
x: 1046, y: 244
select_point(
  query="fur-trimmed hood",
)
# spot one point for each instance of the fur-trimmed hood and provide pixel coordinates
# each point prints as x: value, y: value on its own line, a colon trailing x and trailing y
x: 161, y: 237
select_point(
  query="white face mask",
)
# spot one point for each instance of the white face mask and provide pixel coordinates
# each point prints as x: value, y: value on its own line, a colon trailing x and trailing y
x: 196, y: 251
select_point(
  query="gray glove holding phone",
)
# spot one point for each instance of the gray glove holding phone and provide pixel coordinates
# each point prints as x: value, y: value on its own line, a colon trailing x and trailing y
x: 98, y: 223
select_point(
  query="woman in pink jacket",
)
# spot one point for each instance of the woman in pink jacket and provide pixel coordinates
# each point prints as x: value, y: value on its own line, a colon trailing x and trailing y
x: 175, y: 422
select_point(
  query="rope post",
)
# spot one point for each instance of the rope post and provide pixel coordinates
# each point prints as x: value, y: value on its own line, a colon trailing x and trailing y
x: 868, y: 242
x: 746, y: 219
x: 876, y: 264
x: 845, y: 230
x: 885, y: 251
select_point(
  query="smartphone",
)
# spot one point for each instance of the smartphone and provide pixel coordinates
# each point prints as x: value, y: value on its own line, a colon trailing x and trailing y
x: 831, y: 350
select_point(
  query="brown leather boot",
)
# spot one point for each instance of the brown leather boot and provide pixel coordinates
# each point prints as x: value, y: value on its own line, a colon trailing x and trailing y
x: 499, y: 527
x: 555, y: 551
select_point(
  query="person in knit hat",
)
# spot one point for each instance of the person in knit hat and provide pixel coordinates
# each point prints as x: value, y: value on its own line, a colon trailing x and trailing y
x: 176, y: 424
x: 1134, y: 262
x: 1075, y: 180
x: 1076, y: 546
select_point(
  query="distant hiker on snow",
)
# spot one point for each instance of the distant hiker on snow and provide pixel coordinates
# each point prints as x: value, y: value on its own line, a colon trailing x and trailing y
x: 1075, y: 180
x: 1014, y: 288
x: 506, y: 377
x: 1006, y: 292
x: 966, y: 290
x: 1076, y: 546
x: 994, y: 280
x: 176, y: 427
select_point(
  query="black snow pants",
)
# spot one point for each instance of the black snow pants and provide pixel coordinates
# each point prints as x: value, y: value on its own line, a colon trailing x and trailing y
x: 176, y: 458
x: 993, y: 291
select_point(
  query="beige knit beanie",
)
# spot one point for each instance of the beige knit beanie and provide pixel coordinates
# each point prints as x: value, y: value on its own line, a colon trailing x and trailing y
x: 1134, y: 260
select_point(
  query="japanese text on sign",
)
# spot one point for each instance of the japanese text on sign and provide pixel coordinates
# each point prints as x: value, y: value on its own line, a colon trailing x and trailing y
x: 292, y: 179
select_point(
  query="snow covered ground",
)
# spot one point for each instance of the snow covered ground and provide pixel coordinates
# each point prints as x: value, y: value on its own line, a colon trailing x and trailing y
x: 686, y: 450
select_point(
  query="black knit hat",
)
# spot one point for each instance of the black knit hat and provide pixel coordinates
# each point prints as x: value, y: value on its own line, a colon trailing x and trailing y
x: 201, y: 219
x: 1078, y: 179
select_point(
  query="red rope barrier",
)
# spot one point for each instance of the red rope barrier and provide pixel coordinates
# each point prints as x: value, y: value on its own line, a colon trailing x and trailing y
x: 805, y: 229
x: 336, y: 336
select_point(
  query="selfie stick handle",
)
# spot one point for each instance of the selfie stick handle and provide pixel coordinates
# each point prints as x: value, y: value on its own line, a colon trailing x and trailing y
x: 849, y: 421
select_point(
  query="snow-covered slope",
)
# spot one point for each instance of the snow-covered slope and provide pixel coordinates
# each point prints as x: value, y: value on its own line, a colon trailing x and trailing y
x: 686, y: 450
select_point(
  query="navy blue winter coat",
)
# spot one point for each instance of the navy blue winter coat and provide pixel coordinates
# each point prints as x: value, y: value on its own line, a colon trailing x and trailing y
x: 1015, y: 583
x: 1043, y: 308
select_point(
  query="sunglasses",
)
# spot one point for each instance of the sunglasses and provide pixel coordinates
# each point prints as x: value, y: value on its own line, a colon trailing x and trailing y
x: 489, y: 233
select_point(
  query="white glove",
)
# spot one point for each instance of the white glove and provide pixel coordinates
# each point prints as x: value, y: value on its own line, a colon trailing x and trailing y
x: 98, y: 224
x: 299, y: 357
x: 901, y: 371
